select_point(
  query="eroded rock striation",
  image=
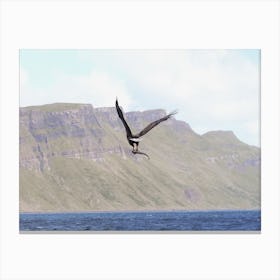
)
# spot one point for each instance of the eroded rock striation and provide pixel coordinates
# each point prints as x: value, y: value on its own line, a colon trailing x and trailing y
x: 74, y: 157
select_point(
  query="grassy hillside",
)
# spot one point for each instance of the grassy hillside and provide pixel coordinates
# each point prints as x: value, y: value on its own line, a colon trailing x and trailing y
x: 76, y: 158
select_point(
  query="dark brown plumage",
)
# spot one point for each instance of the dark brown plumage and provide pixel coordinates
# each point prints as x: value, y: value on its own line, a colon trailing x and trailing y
x: 134, y: 139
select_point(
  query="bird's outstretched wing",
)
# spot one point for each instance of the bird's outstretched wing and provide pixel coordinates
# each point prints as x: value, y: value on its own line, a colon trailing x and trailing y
x: 155, y: 123
x: 128, y: 131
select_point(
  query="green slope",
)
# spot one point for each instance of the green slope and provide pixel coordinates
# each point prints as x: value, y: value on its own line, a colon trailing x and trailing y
x: 76, y: 158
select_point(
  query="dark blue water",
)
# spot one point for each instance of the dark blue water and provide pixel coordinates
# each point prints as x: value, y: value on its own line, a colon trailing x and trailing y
x: 143, y: 221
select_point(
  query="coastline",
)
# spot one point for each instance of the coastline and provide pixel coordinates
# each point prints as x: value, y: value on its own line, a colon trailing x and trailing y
x: 139, y: 211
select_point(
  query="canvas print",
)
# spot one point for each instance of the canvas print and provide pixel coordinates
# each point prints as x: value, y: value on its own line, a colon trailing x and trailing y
x: 139, y: 140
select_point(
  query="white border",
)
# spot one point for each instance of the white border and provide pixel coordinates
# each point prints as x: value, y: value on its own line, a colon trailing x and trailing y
x: 146, y: 24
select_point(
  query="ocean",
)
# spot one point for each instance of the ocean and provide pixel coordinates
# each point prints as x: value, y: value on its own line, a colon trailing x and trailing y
x: 142, y: 221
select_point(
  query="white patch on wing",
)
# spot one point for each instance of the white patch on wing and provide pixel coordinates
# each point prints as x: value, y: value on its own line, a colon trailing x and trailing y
x: 135, y: 139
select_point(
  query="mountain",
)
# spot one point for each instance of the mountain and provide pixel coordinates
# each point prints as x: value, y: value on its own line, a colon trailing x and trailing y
x: 74, y: 157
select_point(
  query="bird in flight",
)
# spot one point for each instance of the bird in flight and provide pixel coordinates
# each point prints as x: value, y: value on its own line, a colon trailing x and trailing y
x: 134, y: 139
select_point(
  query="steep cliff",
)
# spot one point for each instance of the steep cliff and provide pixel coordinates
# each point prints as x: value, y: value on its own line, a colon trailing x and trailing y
x: 74, y: 157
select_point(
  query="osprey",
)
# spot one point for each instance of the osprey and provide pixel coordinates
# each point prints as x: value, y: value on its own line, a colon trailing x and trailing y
x: 134, y: 139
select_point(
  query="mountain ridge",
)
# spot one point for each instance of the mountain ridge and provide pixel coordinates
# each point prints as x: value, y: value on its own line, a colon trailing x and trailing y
x: 75, y: 157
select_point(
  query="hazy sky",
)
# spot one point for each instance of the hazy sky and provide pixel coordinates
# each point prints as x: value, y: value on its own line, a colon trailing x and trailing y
x: 211, y: 89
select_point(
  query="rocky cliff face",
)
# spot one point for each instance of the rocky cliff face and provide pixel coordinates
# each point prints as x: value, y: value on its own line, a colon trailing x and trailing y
x: 76, y: 157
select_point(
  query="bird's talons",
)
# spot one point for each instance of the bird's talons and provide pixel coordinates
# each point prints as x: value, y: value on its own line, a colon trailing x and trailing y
x: 140, y: 153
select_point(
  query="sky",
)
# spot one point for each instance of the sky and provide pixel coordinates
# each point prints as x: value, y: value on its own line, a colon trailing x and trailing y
x: 210, y: 89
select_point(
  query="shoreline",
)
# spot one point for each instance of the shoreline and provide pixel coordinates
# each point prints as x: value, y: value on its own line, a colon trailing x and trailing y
x: 136, y: 211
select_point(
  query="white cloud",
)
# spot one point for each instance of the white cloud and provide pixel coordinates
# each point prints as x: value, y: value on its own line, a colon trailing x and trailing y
x: 103, y: 89
x: 97, y: 88
x: 23, y: 77
x: 252, y: 126
x: 212, y: 89
x: 217, y: 88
